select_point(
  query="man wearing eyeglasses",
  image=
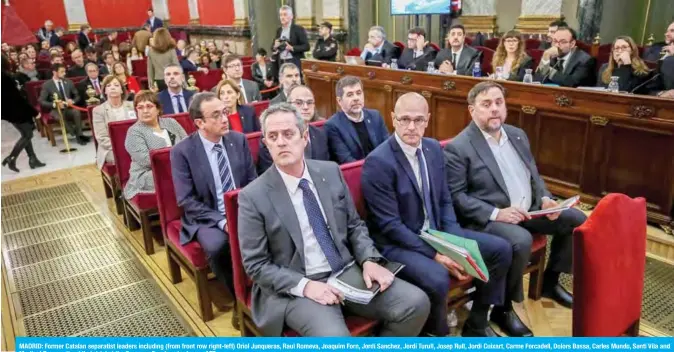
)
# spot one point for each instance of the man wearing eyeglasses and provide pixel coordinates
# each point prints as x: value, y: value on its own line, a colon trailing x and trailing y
x: 405, y: 190
x: 564, y: 64
x: 234, y: 70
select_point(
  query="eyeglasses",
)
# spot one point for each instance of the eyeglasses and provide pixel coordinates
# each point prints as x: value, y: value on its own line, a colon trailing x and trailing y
x: 621, y: 48
x: 235, y: 66
x: 405, y: 121
x: 300, y: 103
x: 511, y: 41
x: 560, y: 42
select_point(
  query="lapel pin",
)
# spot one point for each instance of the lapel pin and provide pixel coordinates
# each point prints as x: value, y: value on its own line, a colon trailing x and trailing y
x: 368, y: 120
x: 231, y: 145
x: 518, y: 138
x: 324, y: 180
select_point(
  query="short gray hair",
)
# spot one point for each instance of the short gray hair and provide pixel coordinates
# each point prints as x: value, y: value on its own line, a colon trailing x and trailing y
x: 379, y: 29
x: 347, y: 81
x: 174, y: 65
x: 86, y: 67
x: 287, y: 65
x: 481, y: 88
x: 286, y: 8
x: 282, y: 107
x: 198, y: 100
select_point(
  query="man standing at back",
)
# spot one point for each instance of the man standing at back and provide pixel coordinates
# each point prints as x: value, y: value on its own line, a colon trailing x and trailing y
x: 299, y: 226
x: 205, y: 165
x: 354, y: 131
x: 153, y: 21
x: 174, y: 99
x: 290, y: 42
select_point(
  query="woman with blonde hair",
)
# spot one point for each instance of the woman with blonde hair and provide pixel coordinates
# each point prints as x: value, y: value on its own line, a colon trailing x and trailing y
x: 241, y: 117
x: 625, y: 64
x: 161, y: 54
x: 115, y: 108
x: 511, y: 56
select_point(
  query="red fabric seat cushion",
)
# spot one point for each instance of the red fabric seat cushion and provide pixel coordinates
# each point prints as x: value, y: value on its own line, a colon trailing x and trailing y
x: 192, y: 251
x: 109, y: 170
x: 539, y: 242
x: 144, y: 201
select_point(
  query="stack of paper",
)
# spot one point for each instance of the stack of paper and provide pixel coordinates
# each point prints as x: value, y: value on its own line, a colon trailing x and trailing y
x: 350, y: 282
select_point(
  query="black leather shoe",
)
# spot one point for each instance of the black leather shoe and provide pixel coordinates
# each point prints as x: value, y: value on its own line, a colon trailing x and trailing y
x: 10, y: 161
x: 510, y: 323
x: 469, y: 331
x: 34, y: 162
x: 82, y: 140
x: 558, y: 294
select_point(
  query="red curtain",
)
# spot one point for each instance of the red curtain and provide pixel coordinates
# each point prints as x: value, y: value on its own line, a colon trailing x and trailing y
x: 116, y: 13
x: 179, y: 12
x: 15, y: 31
x: 35, y: 12
x: 216, y: 12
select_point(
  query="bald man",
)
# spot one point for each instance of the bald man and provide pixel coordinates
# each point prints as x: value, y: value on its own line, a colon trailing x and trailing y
x: 405, y: 190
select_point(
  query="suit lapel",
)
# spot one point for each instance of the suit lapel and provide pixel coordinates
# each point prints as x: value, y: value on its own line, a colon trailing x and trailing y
x: 463, y: 59
x: 371, y: 130
x: 352, y: 130
x: 485, y: 153
x: 322, y: 187
x: 202, y: 159
x: 280, y: 200
x: 402, y: 160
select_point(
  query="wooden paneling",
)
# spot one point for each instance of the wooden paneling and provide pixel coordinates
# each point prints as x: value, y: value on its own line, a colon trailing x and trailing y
x: 585, y: 142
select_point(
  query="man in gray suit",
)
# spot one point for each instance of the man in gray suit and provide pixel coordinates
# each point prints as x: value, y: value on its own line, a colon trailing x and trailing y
x: 68, y: 95
x: 298, y: 226
x: 494, y: 182
x: 233, y: 68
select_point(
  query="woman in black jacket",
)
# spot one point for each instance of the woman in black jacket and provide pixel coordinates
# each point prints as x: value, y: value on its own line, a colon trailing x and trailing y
x: 20, y: 114
x: 625, y: 63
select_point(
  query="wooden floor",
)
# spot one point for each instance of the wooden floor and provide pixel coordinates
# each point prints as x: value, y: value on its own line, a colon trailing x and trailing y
x: 545, y: 317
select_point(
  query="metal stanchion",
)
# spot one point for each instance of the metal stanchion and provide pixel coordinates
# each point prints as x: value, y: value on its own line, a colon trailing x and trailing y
x: 57, y: 105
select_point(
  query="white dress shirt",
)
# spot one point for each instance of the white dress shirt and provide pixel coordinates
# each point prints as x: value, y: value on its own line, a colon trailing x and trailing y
x: 212, y: 157
x: 359, y: 119
x: 515, y: 173
x: 174, y: 101
x: 411, y: 155
x: 315, y: 261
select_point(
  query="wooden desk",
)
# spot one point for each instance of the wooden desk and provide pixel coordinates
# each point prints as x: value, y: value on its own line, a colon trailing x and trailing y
x: 585, y: 142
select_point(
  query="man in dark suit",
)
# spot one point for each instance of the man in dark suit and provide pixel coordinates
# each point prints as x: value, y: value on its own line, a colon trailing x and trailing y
x: 67, y: 93
x: 354, y: 131
x: 290, y: 42
x: 174, y: 99
x: 83, y: 40
x: 205, y: 165
x: 46, y: 32
x: 108, y: 62
x: 154, y: 22
x: 459, y: 57
x: 55, y: 40
x: 299, y: 226
x: 326, y: 46
x: 94, y: 80
x: 495, y: 183
x: 378, y: 51
x: 190, y: 62
x: 77, y: 69
x: 654, y: 52
x: 564, y: 63
x: 418, y: 53
x: 405, y: 189
x: 552, y: 28
x: 289, y: 76
x: 233, y: 67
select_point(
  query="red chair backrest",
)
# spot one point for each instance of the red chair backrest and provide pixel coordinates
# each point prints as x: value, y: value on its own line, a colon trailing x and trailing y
x: 609, y: 258
x: 140, y: 67
x: 400, y: 45
x: 77, y: 79
x: 532, y: 44
x: 206, y: 81
x: 536, y: 55
x: 319, y: 123
x: 487, y: 56
x: 352, y: 172
x: 468, y: 41
x: 584, y: 46
x: 353, y: 52
x: 117, y: 131
x: 259, y: 106
x: 444, y: 142
x: 247, y: 60
x: 435, y: 46
x: 160, y: 160
x: 247, y: 72
x: 185, y: 121
x: 492, y: 43
x: 254, y: 144
x: 605, y: 48
x: 242, y: 283
x: 652, y: 65
x: 33, y: 89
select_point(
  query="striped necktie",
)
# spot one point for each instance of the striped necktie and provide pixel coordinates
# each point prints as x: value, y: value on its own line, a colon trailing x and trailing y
x: 223, y: 166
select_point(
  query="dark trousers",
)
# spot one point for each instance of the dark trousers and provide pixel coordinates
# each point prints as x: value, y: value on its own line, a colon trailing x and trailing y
x: 433, y: 278
x: 215, y: 244
x: 520, y: 238
x: 161, y: 85
x: 26, y: 131
x: 73, y: 120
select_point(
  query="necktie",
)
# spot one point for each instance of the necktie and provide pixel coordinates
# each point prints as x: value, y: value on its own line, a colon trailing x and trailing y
x: 223, y: 166
x: 180, y: 106
x: 426, y: 191
x: 97, y: 87
x: 560, y: 64
x: 61, y: 90
x: 320, y: 228
x: 454, y: 60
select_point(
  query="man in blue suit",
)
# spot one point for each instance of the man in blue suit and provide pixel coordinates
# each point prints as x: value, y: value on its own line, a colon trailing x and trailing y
x: 205, y: 165
x: 174, y: 99
x: 354, y: 131
x: 405, y: 190
x: 154, y: 22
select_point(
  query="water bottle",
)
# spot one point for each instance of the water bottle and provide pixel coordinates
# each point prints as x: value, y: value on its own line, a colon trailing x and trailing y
x: 476, y: 70
x: 394, y: 64
x: 528, y: 77
x: 499, y: 72
x: 613, y: 86
x: 430, y: 68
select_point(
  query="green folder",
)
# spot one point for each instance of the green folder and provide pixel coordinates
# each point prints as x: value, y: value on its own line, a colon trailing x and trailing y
x: 462, y: 250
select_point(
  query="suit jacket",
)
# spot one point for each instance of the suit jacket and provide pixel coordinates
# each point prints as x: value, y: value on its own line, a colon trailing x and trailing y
x: 475, y: 179
x: 408, y: 62
x: 394, y: 199
x: 259, y: 77
x: 158, y: 23
x: 272, y: 248
x: 82, y: 87
x: 579, y: 71
x: 666, y: 71
x: 194, y: 184
x: 469, y: 56
x: 652, y: 53
x: 141, y: 39
x: 101, y: 116
x: 343, y: 139
x: 188, y: 66
x: 167, y: 104
x: 252, y: 90
x: 387, y: 53
x: 249, y: 120
x: 317, y: 149
x: 55, y: 40
x: 627, y: 79
x: 104, y: 44
x: 49, y: 88
x: 298, y: 40
x: 140, y: 139
x: 77, y: 71
x: 279, y: 98
x: 157, y: 62
x: 83, y: 41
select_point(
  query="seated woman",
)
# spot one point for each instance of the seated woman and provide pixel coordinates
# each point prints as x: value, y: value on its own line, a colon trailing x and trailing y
x: 317, y: 149
x: 511, y: 56
x: 116, y: 52
x: 625, y: 64
x: 114, y: 109
x: 205, y: 61
x: 262, y: 73
x: 241, y: 117
x: 149, y: 132
x: 133, y: 55
x: 129, y: 82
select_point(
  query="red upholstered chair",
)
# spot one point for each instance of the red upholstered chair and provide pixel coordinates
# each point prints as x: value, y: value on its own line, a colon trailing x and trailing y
x: 584, y: 46
x: 185, y: 121
x: 536, y: 55
x: 247, y: 60
x: 140, y: 68
x: 206, y: 81
x: 259, y: 106
x: 190, y: 257
x: 468, y: 41
x: 400, y: 45
x: 487, y: 55
x: 531, y: 44
x: 609, y: 258
x: 108, y: 172
x: 353, y: 52
x: 247, y: 72
x: 254, y: 144
x: 492, y: 43
x: 435, y: 46
x: 358, y: 326
x: 140, y: 210
x: 444, y: 142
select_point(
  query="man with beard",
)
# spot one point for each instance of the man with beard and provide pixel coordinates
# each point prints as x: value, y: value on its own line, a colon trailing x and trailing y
x: 289, y: 76
x: 77, y: 70
x: 93, y: 79
x: 459, y: 58
x: 552, y: 28
x: 653, y: 53
x: 564, y: 64
x: 174, y: 99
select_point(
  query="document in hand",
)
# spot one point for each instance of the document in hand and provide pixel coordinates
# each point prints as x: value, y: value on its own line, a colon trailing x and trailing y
x: 464, y: 251
x: 567, y: 204
x: 350, y: 282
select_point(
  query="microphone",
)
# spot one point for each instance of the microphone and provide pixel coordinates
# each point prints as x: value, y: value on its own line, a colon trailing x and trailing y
x: 644, y: 83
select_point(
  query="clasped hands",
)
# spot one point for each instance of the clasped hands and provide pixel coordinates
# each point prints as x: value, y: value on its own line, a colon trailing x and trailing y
x: 325, y: 294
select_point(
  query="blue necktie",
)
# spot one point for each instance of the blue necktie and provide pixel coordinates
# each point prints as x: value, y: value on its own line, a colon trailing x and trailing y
x: 426, y: 191
x: 320, y: 228
x: 223, y: 166
x: 62, y: 91
x: 180, y: 106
